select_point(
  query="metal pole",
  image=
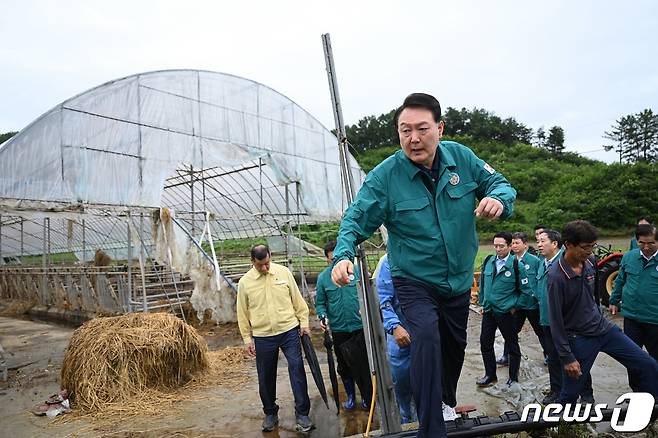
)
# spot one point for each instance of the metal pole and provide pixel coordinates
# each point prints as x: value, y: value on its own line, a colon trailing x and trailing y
x: 22, y: 242
x: 260, y: 183
x: 84, y: 243
x: 48, y: 256
x: 372, y: 324
x: 141, y: 257
x: 130, y: 270
x: 44, y: 278
x: 192, y: 196
x: 1, y: 240
x: 288, y: 229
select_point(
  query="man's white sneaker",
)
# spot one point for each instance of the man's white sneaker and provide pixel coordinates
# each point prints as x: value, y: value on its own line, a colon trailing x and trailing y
x: 448, y: 413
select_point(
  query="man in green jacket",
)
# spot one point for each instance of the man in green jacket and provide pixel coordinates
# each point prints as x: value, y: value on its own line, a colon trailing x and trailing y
x: 338, y: 307
x: 642, y: 220
x: 636, y: 293
x: 504, y: 286
x: 528, y: 306
x: 426, y: 196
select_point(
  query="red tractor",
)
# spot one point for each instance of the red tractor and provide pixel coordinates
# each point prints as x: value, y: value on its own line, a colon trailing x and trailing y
x: 607, y: 270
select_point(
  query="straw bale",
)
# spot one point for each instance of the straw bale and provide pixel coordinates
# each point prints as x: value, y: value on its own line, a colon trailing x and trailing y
x: 117, y: 359
x: 17, y: 307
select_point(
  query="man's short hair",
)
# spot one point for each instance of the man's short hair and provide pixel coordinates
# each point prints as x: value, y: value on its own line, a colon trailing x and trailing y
x: 329, y: 247
x: 577, y: 232
x: 644, y: 230
x: 259, y: 252
x: 523, y: 237
x: 645, y: 218
x: 553, y: 236
x: 540, y: 227
x: 505, y: 235
x: 419, y: 100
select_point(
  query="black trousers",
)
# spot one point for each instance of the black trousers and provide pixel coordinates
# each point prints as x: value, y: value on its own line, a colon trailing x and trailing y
x: 507, y: 325
x: 352, y: 358
x: 437, y: 326
x: 532, y: 316
x: 644, y: 335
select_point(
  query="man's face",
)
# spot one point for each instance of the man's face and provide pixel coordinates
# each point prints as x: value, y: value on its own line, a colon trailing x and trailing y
x: 501, y: 247
x: 546, y: 247
x: 262, y: 266
x: 330, y: 257
x: 582, y: 251
x: 647, y: 244
x: 538, y: 232
x: 519, y: 246
x: 419, y: 135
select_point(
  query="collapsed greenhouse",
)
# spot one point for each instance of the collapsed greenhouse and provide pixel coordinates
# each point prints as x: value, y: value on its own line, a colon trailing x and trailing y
x: 151, y: 171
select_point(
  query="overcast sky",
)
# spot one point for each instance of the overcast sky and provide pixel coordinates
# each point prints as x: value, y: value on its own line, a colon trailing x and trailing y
x: 577, y: 64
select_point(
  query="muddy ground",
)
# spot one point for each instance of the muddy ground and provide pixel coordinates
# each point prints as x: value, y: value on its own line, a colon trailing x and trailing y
x: 35, y: 350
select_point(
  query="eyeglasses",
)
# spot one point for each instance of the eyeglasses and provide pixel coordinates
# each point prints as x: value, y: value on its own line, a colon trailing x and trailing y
x: 587, y: 246
x: 499, y: 245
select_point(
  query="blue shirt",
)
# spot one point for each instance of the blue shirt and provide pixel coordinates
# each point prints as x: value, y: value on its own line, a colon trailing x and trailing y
x: 388, y: 301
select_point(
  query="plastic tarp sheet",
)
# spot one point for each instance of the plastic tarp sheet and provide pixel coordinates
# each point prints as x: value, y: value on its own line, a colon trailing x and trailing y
x: 253, y: 155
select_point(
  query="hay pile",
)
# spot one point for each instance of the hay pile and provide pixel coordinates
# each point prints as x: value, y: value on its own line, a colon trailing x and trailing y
x: 124, y: 359
x: 17, y: 307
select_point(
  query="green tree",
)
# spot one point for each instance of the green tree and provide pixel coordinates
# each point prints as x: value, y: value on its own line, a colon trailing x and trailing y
x: 372, y: 132
x: 555, y: 142
x: 6, y: 136
x: 540, y: 138
x: 635, y: 137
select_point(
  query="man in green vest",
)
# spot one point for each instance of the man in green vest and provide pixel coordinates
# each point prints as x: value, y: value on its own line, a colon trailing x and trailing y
x: 528, y: 305
x: 338, y: 308
x: 426, y: 194
x: 504, y: 286
x: 636, y: 293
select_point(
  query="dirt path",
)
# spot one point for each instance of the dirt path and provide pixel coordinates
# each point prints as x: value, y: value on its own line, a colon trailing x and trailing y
x: 37, y: 350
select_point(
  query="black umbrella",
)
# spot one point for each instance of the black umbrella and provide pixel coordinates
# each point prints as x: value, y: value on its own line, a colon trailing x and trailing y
x: 329, y: 345
x: 314, y: 365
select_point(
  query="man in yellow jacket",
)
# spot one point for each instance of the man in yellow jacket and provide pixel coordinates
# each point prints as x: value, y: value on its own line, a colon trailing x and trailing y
x: 272, y: 314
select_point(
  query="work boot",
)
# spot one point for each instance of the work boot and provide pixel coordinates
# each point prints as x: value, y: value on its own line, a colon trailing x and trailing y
x: 350, y: 390
x: 550, y: 398
x: 587, y: 398
x: 270, y: 422
x: 486, y: 381
x: 303, y: 424
x: 502, y: 361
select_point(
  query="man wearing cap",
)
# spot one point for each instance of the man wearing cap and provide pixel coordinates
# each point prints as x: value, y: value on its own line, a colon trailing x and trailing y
x: 426, y: 196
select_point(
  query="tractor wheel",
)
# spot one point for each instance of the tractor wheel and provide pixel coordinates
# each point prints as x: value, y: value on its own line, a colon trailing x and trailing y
x: 606, y: 278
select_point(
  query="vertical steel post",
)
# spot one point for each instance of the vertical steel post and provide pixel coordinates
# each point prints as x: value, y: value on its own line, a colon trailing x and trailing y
x: 44, y: 262
x: 145, y: 308
x: 288, y: 228
x: 130, y: 267
x: 372, y: 324
x: 22, y: 241
x: 1, y: 241
x: 192, y: 198
x: 84, y: 243
x: 49, y: 257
